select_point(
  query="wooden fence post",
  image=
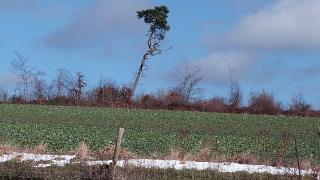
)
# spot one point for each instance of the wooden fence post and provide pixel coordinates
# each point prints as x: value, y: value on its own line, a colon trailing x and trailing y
x: 297, y: 156
x: 116, y: 153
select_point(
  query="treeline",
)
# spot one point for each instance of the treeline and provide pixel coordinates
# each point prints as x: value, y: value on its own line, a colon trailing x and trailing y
x: 70, y: 89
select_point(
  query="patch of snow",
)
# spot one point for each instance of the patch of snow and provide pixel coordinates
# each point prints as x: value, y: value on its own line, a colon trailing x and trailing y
x: 6, y: 157
x: 54, y: 160
x: 221, y: 167
x: 34, y: 157
x: 62, y: 160
x: 43, y: 165
x: 92, y: 163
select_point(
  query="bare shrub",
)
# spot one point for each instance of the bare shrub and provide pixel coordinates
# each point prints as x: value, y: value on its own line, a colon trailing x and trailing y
x: 216, y: 104
x: 150, y: 102
x: 264, y: 103
x: 125, y: 97
x: 107, y: 93
x: 174, y: 100
x: 60, y: 100
x: 111, y: 95
x: 16, y: 99
x: 298, y: 106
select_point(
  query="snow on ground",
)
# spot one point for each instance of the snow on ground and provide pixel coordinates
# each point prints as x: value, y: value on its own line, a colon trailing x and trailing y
x: 61, y: 160
x: 52, y: 160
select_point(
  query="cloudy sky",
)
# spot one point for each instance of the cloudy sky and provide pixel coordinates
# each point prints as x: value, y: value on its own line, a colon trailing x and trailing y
x: 267, y: 44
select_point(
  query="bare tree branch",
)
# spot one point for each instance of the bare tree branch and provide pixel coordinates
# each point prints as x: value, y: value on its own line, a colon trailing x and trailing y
x: 23, y: 72
x: 188, y: 77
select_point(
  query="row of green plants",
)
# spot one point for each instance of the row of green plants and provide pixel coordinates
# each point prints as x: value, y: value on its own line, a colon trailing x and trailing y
x: 150, y: 131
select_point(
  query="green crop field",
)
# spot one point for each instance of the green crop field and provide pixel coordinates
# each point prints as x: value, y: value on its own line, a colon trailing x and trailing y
x: 148, y: 131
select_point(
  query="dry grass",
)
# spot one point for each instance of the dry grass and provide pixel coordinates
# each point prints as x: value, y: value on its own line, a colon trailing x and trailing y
x: 306, y: 164
x: 107, y: 153
x: 187, y: 157
x: 245, y: 159
x: 175, y: 154
x: 41, y: 149
x: 155, y: 155
x: 82, y: 152
x: 206, y: 155
x: 203, y: 155
x: 6, y: 148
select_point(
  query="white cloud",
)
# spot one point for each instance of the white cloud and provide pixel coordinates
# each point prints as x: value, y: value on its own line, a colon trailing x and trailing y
x: 99, y: 23
x: 283, y: 25
x: 221, y: 66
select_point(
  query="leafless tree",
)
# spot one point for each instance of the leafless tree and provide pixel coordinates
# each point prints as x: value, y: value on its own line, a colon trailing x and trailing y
x: 4, y: 94
x: 50, y: 89
x: 63, y: 82
x: 79, y: 85
x: 188, y: 78
x: 23, y: 72
x: 39, y: 85
x: 298, y: 104
x: 235, y: 95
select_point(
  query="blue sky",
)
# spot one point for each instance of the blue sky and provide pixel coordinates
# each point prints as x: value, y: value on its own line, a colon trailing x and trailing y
x: 267, y: 44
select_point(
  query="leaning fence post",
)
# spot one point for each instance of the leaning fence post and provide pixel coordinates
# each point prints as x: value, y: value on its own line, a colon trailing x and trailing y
x: 297, y: 156
x: 116, y: 153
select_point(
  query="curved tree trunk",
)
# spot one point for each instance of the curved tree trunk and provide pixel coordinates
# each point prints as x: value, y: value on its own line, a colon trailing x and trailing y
x: 150, y: 51
x: 139, y: 73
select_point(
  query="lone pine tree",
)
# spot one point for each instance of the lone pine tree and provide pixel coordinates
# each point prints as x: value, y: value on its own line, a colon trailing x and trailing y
x: 156, y: 18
